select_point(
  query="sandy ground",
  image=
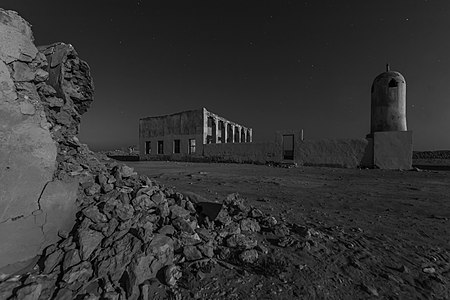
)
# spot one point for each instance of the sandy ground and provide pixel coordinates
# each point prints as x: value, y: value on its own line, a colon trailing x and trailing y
x: 380, y: 234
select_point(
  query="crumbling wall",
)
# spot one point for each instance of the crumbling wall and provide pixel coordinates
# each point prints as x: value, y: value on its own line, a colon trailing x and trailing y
x: 40, y: 107
x: 259, y: 153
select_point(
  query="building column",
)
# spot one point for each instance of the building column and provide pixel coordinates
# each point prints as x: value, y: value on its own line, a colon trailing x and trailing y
x: 238, y: 134
x: 244, y: 130
x: 250, y: 133
x: 205, y: 126
x: 225, y: 132
x: 215, y: 131
x: 233, y: 128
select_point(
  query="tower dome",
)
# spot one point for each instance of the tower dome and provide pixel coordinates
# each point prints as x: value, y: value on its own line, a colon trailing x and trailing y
x: 388, y: 105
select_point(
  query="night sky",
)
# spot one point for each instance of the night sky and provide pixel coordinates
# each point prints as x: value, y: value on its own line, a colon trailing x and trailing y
x: 269, y: 65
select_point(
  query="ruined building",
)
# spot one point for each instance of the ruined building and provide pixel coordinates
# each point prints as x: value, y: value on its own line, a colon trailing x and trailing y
x: 184, y: 134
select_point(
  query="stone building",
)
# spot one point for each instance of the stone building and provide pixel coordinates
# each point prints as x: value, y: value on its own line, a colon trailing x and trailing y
x: 185, y: 133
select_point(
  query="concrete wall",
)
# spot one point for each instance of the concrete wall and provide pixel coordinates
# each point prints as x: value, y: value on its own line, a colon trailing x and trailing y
x: 242, y: 152
x: 183, y: 126
x: 344, y: 153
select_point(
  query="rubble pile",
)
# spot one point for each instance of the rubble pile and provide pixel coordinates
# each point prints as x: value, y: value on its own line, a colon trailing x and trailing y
x: 129, y: 228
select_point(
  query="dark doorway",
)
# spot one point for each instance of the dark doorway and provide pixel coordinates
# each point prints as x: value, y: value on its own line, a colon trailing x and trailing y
x: 160, y: 147
x: 288, y: 147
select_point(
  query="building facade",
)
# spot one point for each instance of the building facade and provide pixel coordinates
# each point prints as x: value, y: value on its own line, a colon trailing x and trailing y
x: 184, y: 134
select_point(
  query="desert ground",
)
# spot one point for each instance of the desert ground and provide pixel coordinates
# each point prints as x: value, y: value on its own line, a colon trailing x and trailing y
x: 374, y: 233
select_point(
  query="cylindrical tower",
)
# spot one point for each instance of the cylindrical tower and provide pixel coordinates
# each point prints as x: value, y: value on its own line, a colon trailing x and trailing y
x: 388, y: 102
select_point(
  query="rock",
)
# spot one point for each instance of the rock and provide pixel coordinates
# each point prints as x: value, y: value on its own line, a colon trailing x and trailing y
x: 167, y: 230
x: 429, y: 270
x: 178, y: 212
x: 64, y: 294
x: 303, y: 231
x: 172, y: 274
x: 256, y: 213
x: 52, y: 260
x: 204, y: 234
x: 126, y: 171
x: 27, y: 108
x: 88, y: 241
x: 71, y: 258
x: 158, y: 198
x: 78, y: 274
x: 268, y: 222
x: 192, y: 253
x: 94, y: 214
x: 30, y: 292
x: 281, y: 230
x: 249, y: 256
x: 22, y: 72
x: 249, y: 225
x: 230, y: 229
x: 263, y: 249
x: 183, y: 225
x: 143, y: 202
x: 93, y: 189
x: 241, y: 241
x: 207, y: 249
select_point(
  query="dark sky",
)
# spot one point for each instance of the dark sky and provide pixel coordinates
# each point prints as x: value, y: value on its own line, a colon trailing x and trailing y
x: 269, y: 65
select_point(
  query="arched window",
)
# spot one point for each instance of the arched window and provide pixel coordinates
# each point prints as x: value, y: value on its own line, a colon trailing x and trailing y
x: 393, y: 83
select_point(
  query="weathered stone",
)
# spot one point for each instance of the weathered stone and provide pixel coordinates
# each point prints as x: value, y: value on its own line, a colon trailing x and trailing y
x: 22, y: 72
x: 15, y: 44
x: 158, y: 198
x: 188, y: 239
x: 27, y: 108
x: 7, y: 288
x: 167, y: 230
x: 249, y: 256
x: 183, y: 225
x: 126, y: 171
x: 40, y: 75
x: 78, y: 274
x: 281, y: 230
x: 207, y: 249
x: 256, y: 213
x: 249, y: 225
x: 88, y: 241
x: 268, y: 221
x: 192, y: 253
x: 52, y: 260
x: 230, y: 229
x: 241, y: 241
x: 172, y: 274
x: 205, y: 234
x: 94, y: 214
x: 30, y: 292
x: 124, y: 212
x: 93, y: 189
x: 55, y: 101
x: 178, y: 212
x: 71, y: 258
x: 143, y: 202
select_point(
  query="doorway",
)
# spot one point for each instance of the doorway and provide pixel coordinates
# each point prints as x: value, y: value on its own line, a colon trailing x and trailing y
x: 288, y: 147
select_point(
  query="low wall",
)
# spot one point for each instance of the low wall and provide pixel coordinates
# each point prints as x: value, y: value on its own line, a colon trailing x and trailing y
x: 343, y: 153
x: 241, y: 152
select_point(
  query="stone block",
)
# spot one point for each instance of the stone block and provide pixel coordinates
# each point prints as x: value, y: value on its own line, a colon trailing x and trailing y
x: 393, y: 150
x: 25, y: 237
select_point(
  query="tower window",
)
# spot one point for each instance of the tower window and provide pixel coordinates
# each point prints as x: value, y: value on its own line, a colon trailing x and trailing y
x: 393, y: 83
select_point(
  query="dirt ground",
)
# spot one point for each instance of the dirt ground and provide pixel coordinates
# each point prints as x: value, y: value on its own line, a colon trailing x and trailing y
x: 376, y: 233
